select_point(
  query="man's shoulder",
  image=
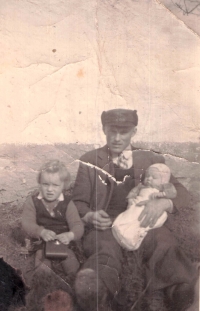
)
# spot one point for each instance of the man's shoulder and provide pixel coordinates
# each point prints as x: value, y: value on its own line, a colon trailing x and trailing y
x: 102, y: 152
x: 143, y: 154
x: 92, y: 155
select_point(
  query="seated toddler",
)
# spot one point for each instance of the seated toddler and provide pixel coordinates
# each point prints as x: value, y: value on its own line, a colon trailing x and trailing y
x: 126, y: 227
x: 50, y: 215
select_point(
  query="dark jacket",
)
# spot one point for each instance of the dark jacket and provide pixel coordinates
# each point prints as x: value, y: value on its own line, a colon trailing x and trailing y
x: 94, y: 182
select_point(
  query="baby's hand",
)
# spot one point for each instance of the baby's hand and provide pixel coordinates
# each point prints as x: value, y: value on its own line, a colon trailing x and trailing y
x: 65, y: 237
x: 47, y: 235
x: 156, y: 195
x: 133, y: 194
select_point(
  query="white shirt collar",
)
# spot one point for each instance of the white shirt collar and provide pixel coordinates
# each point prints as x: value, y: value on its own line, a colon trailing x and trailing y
x: 128, y: 148
x: 60, y: 198
x: 127, y: 155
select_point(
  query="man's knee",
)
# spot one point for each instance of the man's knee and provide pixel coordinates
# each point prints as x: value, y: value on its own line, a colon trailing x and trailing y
x: 158, y: 240
x: 162, y: 235
x: 181, y: 296
x: 91, y: 293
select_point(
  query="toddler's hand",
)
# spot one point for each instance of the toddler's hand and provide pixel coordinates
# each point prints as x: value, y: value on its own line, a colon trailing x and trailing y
x: 47, y: 235
x: 65, y: 237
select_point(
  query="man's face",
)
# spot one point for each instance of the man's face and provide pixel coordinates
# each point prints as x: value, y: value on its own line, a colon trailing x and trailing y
x: 153, y: 178
x: 51, y: 186
x: 118, y: 138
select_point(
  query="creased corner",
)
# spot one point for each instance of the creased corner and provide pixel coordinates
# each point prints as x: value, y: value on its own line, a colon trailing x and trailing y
x: 185, y: 11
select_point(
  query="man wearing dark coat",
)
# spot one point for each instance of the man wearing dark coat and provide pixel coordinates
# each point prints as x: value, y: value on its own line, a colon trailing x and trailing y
x: 105, y: 177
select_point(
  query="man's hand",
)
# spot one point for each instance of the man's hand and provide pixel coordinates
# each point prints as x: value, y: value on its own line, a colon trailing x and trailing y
x: 99, y: 219
x: 153, y: 209
x: 65, y: 237
x: 47, y: 235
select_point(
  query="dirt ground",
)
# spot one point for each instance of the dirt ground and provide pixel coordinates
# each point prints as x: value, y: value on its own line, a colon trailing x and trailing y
x: 18, y: 170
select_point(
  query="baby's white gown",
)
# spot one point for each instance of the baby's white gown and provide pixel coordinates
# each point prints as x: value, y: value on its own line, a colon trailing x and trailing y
x: 126, y: 227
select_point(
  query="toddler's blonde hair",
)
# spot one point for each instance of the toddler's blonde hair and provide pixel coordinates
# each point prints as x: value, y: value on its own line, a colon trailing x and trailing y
x: 55, y: 166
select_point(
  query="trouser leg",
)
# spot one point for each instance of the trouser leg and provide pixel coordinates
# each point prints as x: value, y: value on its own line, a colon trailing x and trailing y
x: 100, y: 273
x: 70, y: 265
x: 105, y: 257
x: 40, y: 259
x: 168, y: 268
x: 165, y: 262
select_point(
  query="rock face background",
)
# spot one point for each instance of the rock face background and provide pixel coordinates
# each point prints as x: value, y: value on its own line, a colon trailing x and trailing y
x: 19, y: 166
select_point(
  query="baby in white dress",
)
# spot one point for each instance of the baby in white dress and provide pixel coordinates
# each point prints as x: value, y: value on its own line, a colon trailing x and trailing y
x: 126, y: 227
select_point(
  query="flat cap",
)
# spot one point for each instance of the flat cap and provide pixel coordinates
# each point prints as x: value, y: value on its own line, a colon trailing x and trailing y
x: 120, y: 117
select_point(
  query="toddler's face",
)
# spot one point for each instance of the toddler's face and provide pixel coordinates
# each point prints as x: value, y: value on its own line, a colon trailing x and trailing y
x: 153, y: 178
x: 51, y: 186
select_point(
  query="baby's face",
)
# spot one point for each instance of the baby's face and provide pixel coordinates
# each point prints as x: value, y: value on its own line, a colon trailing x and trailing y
x: 153, y: 178
x: 51, y: 186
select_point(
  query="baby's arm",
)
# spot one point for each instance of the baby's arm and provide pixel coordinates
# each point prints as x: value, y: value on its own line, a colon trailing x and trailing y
x: 134, y: 193
x: 75, y: 224
x: 167, y: 191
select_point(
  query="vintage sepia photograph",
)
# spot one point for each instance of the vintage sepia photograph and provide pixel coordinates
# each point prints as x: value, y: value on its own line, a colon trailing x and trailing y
x: 99, y: 155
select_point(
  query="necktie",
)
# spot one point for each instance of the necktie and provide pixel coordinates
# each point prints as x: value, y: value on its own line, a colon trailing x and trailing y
x: 125, y: 159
